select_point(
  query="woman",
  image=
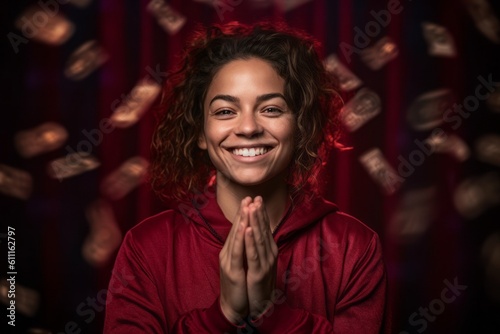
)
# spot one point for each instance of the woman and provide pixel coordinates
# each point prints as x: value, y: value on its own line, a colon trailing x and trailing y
x: 252, y: 113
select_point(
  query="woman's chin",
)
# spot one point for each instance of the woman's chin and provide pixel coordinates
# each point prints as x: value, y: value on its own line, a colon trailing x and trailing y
x: 250, y: 181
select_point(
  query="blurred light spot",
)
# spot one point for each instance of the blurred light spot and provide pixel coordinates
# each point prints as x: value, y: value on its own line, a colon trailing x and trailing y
x: 439, y: 40
x: 128, y: 176
x: 42, y: 25
x: 380, y: 53
x: 104, y: 237
x: 490, y: 254
x: 414, y: 215
x: 494, y: 100
x: 364, y: 106
x: 27, y: 300
x: 170, y: 20
x: 488, y: 149
x: 450, y: 144
x: 71, y: 165
x: 484, y: 17
x: 135, y: 104
x: 15, y: 182
x: 380, y: 171
x: 426, y: 111
x: 47, y: 137
x: 347, y: 80
x: 84, y: 60
x: 477, y: 194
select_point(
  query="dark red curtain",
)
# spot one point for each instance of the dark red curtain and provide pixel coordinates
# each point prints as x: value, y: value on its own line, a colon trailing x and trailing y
x: 422, y: 124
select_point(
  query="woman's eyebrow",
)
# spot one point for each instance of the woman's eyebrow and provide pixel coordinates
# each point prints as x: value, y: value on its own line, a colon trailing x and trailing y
x: 227, y: 98
x: 234, y: 99
x: 265, y: 97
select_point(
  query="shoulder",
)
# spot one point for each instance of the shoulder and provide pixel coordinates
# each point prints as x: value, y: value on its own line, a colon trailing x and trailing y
x: 344, y: 222
x: 152, y: 224
x: 149, y: 243
x: 155, y: 230
x: 324, y: 219
x: 354, y: 236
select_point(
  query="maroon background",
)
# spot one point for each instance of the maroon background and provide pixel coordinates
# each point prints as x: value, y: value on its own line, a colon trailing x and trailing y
x: 51, y: 225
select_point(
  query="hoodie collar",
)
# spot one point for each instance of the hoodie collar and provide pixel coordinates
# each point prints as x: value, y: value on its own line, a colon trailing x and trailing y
x: 298, y: 216
x: 303, y: 214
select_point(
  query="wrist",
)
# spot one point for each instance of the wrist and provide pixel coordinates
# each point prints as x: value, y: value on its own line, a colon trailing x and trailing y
x: 260, y: 309
x: 231, y: 315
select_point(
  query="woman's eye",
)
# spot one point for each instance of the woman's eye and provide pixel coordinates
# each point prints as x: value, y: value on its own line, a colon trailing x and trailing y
x: 272, y: 110
x: 223, y: 112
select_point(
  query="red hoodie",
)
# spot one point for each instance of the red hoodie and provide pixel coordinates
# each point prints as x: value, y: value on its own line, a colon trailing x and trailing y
x: 330, y: 274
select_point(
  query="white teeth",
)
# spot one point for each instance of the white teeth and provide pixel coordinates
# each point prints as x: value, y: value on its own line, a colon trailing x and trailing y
x: 250, y: 152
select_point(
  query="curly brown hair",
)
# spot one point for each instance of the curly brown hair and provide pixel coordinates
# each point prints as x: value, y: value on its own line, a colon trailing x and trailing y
x: 179, y: 167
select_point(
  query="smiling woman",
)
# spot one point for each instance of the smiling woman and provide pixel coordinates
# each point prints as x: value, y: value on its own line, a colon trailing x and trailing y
x: 307, y: 89
x: 252, y: 112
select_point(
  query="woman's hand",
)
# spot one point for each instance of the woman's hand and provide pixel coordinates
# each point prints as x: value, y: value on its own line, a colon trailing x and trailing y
x: 261, y: 255
x: 243, y: 293
x: 233, y: 286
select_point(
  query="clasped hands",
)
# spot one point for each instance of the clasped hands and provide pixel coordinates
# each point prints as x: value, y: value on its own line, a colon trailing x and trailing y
x: 245, y: 289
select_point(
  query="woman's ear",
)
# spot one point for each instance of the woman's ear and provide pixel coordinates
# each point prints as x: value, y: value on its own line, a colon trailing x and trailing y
x: 202, y: 141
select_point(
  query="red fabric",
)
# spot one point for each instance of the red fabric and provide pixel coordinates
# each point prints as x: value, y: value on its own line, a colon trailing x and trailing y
x: 330, y: 279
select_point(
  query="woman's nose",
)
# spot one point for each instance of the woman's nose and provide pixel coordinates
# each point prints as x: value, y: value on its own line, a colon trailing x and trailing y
x: 248, y: 124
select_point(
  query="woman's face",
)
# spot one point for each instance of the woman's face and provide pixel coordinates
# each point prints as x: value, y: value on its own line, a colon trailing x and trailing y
x: 248, y: 127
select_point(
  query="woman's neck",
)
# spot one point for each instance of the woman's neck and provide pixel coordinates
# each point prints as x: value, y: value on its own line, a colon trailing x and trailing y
x: 274, y: 194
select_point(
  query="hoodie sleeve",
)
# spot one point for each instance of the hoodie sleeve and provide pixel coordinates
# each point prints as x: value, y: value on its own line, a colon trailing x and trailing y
x: 134, y: 307
x: 360, y: 308
x: 133, y: 304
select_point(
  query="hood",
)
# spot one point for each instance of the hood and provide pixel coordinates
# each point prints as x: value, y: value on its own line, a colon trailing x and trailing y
x: 205, y: 212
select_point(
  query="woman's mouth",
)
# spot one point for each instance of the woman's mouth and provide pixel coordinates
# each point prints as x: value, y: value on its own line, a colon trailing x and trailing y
x: 251, y: 151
